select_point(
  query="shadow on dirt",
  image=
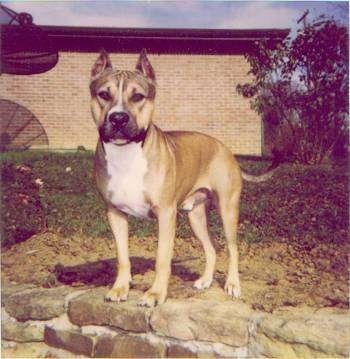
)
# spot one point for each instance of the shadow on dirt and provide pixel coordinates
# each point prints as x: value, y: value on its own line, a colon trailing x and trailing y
x: 102, y: 273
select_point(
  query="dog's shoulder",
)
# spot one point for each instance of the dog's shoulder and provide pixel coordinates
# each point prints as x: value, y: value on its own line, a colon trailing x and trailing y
x: 193, y: 148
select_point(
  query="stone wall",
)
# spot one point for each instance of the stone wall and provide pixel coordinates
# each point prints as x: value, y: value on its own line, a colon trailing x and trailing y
x: 80, y: 323
x: 195, y: 92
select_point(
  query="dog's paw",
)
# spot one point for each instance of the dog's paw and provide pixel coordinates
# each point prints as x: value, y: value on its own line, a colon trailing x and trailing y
x: 151, y: 299
x: 203, y: 283
x: 117, y: 294
x: 232, y: 289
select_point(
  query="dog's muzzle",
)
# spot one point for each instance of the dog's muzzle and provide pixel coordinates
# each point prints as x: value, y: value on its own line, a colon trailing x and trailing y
x: 120, y: 125
x: 113, y: 125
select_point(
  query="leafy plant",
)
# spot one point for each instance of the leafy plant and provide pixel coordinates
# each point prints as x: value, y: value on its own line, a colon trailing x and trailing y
x: 300, y: 88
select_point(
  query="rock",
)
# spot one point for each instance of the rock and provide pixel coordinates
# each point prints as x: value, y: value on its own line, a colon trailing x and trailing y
x: 214, y: 292
x: 8, y: 288
x: 83, y: 323
x: 38, y: 303
x: 128, y: 346
x: 322, y: 331
x: 26, y: 350
x: 22, y: 332
x: 95, y: 331
x: 91, y: 309
x: 205, y: 355
x: 13, y: 330
x: 177, y: 351
x: 212, y: 321
x: 8, y: 344
x: 35, y: 350
x: 273, y: 348
x: 70, y: 340
x: 61, y: 333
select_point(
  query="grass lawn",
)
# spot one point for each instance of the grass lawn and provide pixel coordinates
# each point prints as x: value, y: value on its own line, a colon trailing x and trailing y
x: 55, y: 191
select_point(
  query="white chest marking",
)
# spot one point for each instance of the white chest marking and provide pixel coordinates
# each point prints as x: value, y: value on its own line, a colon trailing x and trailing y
x: 126, y: 167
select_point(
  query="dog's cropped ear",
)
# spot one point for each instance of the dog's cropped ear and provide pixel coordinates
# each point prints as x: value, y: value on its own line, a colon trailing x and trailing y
x: 103, y: 62
x: 144, y: 66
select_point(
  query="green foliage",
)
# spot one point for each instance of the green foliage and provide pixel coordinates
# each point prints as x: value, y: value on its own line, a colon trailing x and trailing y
x: 301, y: 85
x: 299, y: 202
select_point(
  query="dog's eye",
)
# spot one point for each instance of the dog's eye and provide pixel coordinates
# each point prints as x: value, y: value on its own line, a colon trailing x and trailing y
x: 104, y: 95
x: 137, y: 97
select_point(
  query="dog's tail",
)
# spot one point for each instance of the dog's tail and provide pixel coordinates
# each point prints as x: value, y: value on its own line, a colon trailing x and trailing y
x: 276, y: 162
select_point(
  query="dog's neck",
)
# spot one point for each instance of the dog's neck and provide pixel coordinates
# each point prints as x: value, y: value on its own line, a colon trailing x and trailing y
x: 121, y: 154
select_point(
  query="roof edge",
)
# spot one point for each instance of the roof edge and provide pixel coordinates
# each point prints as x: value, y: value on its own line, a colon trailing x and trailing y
x: 272, y: 33
x: 157, y: 40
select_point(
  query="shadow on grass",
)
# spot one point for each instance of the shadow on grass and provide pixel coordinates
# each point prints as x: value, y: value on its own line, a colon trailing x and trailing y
x: 102, y: 273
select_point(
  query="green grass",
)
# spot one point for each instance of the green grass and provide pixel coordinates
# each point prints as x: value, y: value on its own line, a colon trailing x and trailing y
x: 299, y: 203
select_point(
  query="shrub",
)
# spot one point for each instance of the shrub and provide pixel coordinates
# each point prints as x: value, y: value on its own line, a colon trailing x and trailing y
x: 302, y: 84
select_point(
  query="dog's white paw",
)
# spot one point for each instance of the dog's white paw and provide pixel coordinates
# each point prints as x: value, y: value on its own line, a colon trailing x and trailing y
x: 151, y: 299
x: 117, y: 294
x: 232, y: 289
x: 203, y: 283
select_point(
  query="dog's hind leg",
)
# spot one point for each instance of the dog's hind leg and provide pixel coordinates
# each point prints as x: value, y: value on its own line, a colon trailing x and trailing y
x: 198, y: 222
x: 229, y: 209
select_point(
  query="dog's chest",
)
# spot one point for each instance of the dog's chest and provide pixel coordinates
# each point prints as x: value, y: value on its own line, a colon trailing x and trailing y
x: 126, y: 169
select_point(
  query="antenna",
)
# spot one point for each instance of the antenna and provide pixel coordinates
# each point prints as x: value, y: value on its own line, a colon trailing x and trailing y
x: 303, y: 18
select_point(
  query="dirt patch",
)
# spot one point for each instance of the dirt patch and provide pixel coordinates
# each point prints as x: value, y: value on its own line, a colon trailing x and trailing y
x: 273, y: 274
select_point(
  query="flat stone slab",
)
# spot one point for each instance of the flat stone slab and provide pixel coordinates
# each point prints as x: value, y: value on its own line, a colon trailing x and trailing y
x: 177, y: 351
x: 309, y: 331
x: 90, y: 308
x: 34, y: 350
x: 8, y: 288
x: 37, y: 303
x: 97, y: 341
x: 127, y: 346
x: 20, y: 332
x: 211, y: 321
x: 70, y: 340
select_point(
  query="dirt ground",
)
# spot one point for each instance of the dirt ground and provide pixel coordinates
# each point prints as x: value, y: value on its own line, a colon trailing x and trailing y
x: 272, y: 274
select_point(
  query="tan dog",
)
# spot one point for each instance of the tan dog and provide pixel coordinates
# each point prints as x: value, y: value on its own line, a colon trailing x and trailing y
x: 145, y: 172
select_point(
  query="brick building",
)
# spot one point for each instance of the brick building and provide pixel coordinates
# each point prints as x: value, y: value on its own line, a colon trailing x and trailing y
x: 197, y: 73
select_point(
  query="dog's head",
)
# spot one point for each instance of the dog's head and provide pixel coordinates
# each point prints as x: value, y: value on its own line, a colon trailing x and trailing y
x: 122, y: 102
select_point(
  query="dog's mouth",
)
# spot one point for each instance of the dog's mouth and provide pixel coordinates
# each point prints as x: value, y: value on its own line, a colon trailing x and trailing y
x: 121, y: 136
x: 121, y: 141
x: 110, y: 134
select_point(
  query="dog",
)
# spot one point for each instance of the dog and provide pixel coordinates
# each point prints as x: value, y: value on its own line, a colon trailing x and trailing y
x: 143, y: 171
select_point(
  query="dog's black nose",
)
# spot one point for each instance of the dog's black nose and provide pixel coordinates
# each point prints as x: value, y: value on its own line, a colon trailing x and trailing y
x: 118, y: 119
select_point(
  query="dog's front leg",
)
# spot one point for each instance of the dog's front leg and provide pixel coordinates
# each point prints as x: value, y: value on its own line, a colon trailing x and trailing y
x: 119, y: 225
x: 166, y: 235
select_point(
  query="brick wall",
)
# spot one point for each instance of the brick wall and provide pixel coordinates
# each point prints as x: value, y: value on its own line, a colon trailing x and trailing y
x: 195, y: 92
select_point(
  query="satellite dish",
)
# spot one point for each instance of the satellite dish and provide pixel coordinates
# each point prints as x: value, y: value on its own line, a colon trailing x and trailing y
x: 19, y: 128
x: 26, y: 48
